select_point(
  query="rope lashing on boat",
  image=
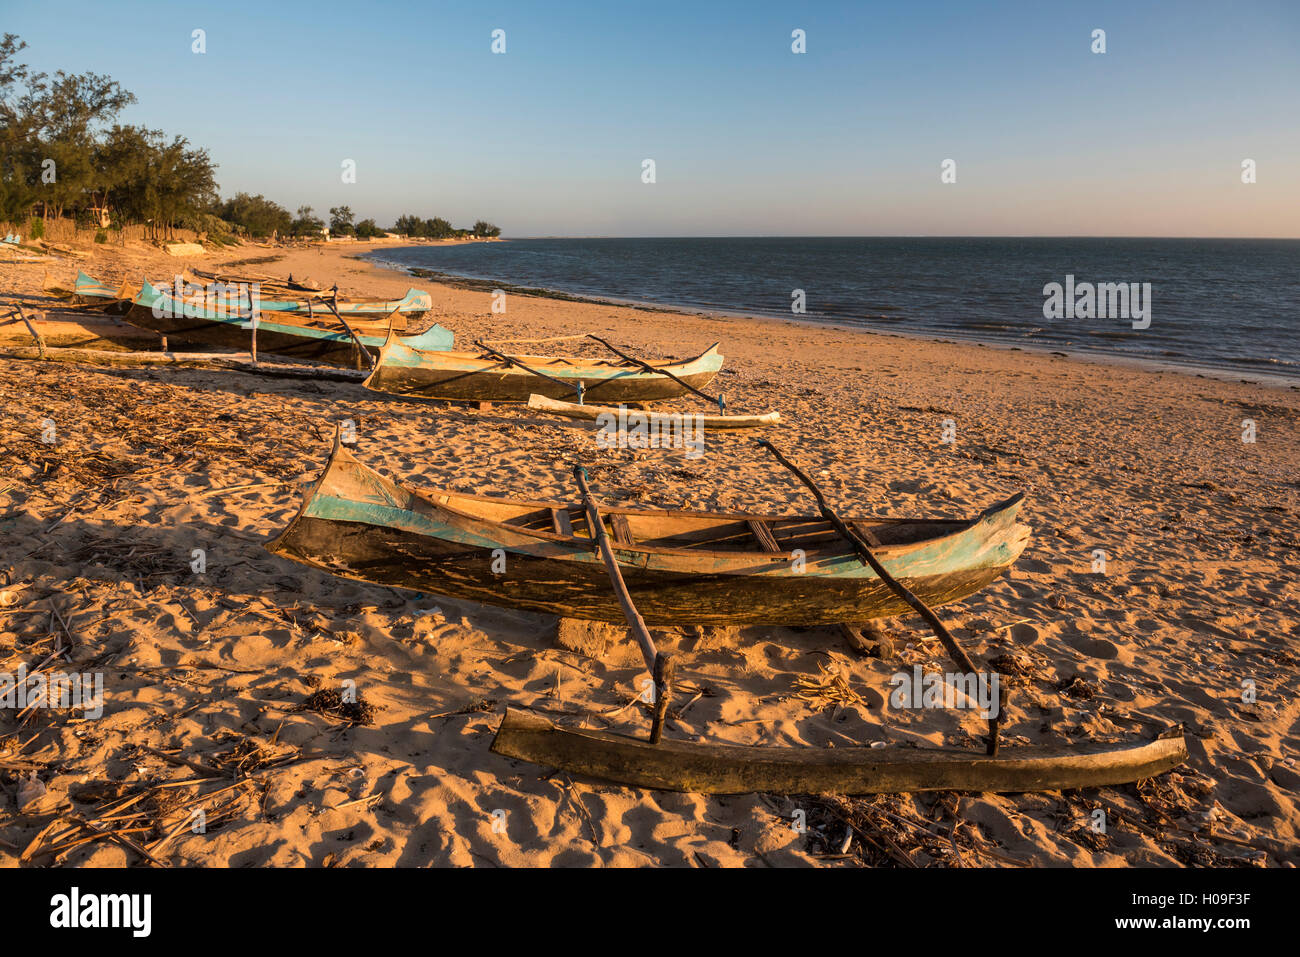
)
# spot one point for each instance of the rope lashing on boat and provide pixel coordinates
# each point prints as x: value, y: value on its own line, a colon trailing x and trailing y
x: 718, y: 400
x: 579, y: 388
x: 860, y: 545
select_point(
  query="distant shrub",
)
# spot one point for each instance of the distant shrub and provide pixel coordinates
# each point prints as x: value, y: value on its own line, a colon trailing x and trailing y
x: 37, y: 227
x: 101, y: 236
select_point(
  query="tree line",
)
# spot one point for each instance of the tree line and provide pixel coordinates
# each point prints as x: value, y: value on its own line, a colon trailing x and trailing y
x: 64, y: 154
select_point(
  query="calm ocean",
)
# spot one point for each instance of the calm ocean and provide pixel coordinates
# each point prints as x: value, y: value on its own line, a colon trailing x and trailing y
x: 1218, y: 303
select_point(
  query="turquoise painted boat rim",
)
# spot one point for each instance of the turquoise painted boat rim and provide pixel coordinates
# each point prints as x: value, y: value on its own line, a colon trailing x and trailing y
x: 402, y: 353
x: 992, y: 539
x: 415, y: 300
x: 90, y: 286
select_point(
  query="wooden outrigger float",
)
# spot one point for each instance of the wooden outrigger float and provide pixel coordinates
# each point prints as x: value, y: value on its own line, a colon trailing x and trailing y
x: 203, y: 276
x: 324, y: 335
x: 734, y: 769
x: 493, y: 376
x: 652, y: 420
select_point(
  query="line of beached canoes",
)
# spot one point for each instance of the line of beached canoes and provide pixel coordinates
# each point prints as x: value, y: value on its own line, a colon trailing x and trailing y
x: 580, y: 559
x: 329, y: 329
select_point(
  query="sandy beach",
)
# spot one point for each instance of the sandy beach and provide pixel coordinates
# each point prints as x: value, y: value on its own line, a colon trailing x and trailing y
x: 211, y: 675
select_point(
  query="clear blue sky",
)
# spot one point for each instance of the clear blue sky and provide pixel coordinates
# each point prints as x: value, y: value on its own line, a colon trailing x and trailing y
x: 748, y: 138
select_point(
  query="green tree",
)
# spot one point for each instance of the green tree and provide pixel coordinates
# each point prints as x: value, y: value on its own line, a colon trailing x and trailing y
x: 366, y: 229
x: 148, y: 179
x: 19, y: 164
x: 484, y: 229
x: 69, y: 113
x: 341, y: 220
x: 256, y: 216
x: 306, y: 224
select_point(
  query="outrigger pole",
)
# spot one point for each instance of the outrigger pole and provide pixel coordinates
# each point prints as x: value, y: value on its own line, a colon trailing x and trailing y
x: 860, y: 545
x: 661, y: 666
x: 717, y: 400
x: 333, y: 303
x: 579, y: 388
x: 17, y: 314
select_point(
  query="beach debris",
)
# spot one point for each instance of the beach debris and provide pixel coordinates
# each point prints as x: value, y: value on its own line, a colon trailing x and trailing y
x: 332, y: 704
x: 30, y: 790
x: 829, y: 687
x: 1077, y: 687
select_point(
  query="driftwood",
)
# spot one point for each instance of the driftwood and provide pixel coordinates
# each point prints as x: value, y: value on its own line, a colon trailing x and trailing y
x: 733, y: 769
x: 590, y: 413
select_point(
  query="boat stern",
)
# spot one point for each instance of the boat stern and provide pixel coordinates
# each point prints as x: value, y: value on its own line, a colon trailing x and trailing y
x: 433, y: 339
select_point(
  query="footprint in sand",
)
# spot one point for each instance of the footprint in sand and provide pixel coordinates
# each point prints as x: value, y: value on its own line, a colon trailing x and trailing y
x: 1096, y: 647
x: 1025, y: 634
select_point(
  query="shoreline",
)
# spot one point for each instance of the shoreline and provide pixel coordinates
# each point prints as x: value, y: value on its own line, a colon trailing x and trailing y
x: 1189, y: 368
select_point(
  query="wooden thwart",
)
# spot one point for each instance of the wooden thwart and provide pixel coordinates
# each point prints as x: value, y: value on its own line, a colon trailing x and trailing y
x: 733, y: 769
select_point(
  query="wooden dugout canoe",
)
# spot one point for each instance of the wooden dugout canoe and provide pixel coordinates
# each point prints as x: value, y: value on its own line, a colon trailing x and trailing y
x: 680, y: 567
x: 414, y: 304
x: 594, y: 413
x: 473, y: 377
x: 733, y: 769
x: 320, y: 337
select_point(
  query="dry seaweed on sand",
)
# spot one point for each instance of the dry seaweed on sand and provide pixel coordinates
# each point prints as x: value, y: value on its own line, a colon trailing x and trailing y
x: 331, y: 703
x: 885, y: 831
x: 1077, y: 687
x: 829, y: 687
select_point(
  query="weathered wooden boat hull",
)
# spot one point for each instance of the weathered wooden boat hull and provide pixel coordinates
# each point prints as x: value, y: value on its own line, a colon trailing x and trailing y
x: 322, y: 339
x: 357, y: 524
x: 114, y: 299
x: 604, y: 413
x: 732, y: 769
x: 414, y: 304
x: 470, y: 377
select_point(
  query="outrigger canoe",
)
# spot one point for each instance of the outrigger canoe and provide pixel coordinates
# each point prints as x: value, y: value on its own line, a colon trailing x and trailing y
x: 215, y: 322
x: 406, y: 369
x: 680, y: 567
x: 414, y: 304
